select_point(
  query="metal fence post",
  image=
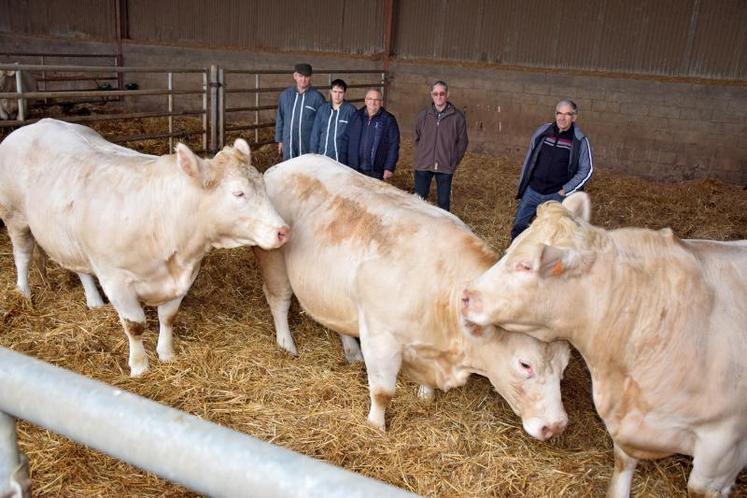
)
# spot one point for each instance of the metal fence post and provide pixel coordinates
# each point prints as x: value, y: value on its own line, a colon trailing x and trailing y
x: 21, y: 100
x: 213, y: 87
x: 13, y: 474
x: 256, y: 104
x: 204, y: 110
x: 171, y: 110
x: 221, y: 109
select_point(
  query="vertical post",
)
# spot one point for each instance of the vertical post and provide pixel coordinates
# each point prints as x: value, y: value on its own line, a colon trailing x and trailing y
x: 204, y: 110
x: 213, y: 86
x: 383, y: 86
x: 171, y: 110
x: 256, y: 104
x: 221, y: 108
x: 9, y: 458
x: 21, y: 100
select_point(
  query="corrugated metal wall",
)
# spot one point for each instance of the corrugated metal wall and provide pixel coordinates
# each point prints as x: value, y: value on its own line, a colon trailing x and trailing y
x: 348, y: 26
x: 690, y: 38
x: 84, y: 19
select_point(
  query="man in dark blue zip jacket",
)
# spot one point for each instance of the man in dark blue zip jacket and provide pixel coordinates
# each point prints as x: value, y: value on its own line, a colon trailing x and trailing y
x: 297, y: 107
x: 371, y: 141
x: 557, y: 164
x: 331, y: 121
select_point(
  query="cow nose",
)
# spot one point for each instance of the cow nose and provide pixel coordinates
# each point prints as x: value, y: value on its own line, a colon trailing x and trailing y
x: 471, y: 302
x: 551, y: 430
x: 283, y: 233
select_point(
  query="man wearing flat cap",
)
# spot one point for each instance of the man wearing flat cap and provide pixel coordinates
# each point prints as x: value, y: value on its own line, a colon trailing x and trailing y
x: 297, y: 107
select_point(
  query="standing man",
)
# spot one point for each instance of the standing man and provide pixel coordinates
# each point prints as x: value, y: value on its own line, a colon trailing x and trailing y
x: 297, y: 107
x: 440, y: 142
x: 557, y: 164
x: 331, y: 120
x: 371, y: 141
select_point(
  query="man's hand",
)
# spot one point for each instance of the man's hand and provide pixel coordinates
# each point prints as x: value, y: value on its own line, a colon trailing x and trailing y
x: 388, y: 174
x: 280, y: 149
x: 562, y: 192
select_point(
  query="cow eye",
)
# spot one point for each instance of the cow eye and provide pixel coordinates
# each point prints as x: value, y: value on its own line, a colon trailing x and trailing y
x: 238, y: 194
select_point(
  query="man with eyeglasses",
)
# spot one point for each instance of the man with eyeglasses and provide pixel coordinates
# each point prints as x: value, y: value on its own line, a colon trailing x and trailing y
x: 557, y: 164
x: 370, y: 143
x: 440, y: 142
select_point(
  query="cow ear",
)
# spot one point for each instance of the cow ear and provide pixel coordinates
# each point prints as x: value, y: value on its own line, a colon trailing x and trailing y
x: 555, y: 262
x: 243, y: 147
x: 193, y: 166
x: 579, y: 204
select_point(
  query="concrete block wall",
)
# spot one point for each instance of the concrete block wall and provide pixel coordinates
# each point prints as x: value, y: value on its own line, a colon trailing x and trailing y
x: 666, y: 130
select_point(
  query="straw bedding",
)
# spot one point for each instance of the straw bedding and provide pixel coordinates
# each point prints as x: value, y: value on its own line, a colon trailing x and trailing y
x: 466, y: 442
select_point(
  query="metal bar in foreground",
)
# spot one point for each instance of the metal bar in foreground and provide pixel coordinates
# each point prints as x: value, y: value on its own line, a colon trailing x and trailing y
x: 203, y: 456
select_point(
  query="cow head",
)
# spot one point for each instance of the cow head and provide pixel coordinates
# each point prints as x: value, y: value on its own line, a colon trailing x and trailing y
x: 526, y: 286
x: 234, y: 207
x: 527, y: 373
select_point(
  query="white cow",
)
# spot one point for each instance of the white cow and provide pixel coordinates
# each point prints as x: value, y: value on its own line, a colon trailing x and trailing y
x: 140, y: 223
x: 661, y: 323
x: 368, y: 260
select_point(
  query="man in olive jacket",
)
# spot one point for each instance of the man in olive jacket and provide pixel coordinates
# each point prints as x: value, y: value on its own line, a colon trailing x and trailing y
x: 440, y: 143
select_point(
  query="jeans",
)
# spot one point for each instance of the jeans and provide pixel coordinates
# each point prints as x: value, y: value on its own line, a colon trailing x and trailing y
x: 528, y: 208
x: 443, y: 187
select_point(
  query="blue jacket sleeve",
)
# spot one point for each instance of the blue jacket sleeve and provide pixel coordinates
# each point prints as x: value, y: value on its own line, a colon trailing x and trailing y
x: 585, y: 169
x: 316, y: 130
x: 342, y: 145
x: 279, y: 120
x: 392, y: 155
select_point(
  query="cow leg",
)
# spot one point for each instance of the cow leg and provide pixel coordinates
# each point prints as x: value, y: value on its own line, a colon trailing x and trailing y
x: 23, y: 250
x: 622, y: 477
x: 278, y: 293
x: 717, y: 461
x: 352, y: 350
x: 93, y: 298
x: 133, y: 320
x: 383, y: 357
x: 166, y: 314
x: 425, y: 392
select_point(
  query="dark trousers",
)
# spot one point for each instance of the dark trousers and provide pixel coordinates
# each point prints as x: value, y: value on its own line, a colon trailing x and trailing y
x: 528, y: 208
x: 443, y: 187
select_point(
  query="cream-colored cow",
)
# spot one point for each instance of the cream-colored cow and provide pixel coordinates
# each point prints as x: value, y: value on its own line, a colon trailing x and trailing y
x: 368, y: 260
x: 661, y: 323
x: 140, y: 223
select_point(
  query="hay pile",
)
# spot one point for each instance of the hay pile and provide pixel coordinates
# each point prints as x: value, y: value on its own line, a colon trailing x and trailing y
x: 466, y: 442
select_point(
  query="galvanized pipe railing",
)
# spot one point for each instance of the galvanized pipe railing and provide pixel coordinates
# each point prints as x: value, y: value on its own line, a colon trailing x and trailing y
x: 204, y: 457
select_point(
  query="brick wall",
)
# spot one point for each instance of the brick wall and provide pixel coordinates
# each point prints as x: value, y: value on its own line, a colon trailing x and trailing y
x: 666, y: 130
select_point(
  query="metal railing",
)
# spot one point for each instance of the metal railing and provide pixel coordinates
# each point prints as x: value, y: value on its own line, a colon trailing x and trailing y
x: 217, y: 116
x: 205, y: 457
x: 22, y: 95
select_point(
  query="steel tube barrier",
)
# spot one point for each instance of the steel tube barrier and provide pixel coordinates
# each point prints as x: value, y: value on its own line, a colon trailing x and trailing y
x: 204, y: 457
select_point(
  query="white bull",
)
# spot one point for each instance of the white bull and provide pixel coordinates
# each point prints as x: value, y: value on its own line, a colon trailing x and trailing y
x: 140, y: 223
x: 661, y: 323
x: 368, y: 260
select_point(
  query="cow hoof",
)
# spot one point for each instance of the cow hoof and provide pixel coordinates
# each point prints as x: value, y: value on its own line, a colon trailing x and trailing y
x: 353, y: 357
x: 138, y: 371
x: 25, y: 292
x: 289, y: 347
x: 165, y: 356
x: 378, y: 424
x: 426, y: 393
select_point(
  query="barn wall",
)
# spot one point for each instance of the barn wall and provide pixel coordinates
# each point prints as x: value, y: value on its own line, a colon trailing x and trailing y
x: 646, y: 127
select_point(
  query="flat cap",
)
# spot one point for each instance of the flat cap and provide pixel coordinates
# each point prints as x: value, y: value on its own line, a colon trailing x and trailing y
x: 303, y: 68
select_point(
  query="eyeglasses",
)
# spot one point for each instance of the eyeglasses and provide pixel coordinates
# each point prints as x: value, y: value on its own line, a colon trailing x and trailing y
x: 438, y: 94
x: 369, y: 99
x: 567, y: 114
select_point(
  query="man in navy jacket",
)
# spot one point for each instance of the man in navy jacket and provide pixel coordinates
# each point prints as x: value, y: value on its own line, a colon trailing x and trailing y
x: 371, y: 141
